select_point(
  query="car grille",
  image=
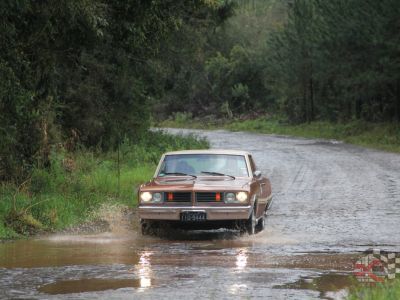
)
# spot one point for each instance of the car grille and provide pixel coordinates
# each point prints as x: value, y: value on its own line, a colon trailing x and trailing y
x: 208, y: 197
x: 178, y: 197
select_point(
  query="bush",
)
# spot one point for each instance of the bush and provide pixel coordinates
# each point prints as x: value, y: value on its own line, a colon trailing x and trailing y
x: 182, y: 117
x: 61, y: 195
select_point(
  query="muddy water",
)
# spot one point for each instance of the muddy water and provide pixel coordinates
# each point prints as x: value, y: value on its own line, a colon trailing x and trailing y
x: 330, y: 201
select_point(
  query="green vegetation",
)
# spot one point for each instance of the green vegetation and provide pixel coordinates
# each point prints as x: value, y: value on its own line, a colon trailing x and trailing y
x: 78, y: 183
x: 84, y: 70
x: 95, y: 72
x: 77, y: 82
x: 305, y: 60
x: 387, y: 291
x: 384, y: 136
x: 334, y: 60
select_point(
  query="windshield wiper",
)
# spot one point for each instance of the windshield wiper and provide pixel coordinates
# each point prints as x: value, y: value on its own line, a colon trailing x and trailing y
x: 218, y: 174
x: 179, y: 174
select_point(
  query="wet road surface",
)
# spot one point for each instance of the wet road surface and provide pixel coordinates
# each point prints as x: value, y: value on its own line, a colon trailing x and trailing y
x: 331, y: 201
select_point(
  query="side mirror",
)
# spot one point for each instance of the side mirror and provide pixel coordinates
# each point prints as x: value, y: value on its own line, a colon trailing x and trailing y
x: 257, y: 173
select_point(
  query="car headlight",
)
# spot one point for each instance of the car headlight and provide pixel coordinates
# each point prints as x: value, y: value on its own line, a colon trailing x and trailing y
x: 146, y: 196
x: 241, y: 196
x: 157, y: 197
x: 230, y: 197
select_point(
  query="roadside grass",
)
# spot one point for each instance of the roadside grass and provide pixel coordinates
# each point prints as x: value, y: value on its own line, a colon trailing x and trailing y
x: 78, y: 183
x: 383, y: 136
x: 387, y: 291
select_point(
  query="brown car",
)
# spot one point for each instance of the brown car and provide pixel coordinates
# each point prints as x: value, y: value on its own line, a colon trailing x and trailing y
x: 205, y: 189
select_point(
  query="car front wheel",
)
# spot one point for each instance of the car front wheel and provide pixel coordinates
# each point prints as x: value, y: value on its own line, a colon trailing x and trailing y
x: 249, y: 225
x: 148, y: 227
x: 260, y: 224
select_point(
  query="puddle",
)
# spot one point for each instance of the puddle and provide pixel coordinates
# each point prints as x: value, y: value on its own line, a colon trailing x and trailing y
x: 329, y: 285
x: 92, y: 285
x: 66, y: 251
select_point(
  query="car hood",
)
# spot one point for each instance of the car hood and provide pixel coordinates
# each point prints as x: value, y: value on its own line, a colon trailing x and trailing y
x: 198, y: 184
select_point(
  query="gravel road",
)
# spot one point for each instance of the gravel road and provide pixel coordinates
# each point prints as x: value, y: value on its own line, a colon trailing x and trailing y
x: 327, y: 195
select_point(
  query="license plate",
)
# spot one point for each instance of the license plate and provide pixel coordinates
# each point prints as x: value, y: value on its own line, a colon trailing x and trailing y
x: 193, y: 216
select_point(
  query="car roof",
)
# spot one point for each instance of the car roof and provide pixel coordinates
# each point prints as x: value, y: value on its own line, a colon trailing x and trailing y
x: 209, y: 151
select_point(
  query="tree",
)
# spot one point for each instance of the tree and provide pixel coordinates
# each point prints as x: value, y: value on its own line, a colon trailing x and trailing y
x: 79, y: 67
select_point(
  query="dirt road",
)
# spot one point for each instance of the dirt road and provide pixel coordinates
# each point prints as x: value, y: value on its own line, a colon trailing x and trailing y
x: 331, y: 201
x: 328, y: 195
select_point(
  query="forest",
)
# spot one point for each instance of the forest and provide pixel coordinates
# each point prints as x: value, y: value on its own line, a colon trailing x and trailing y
x: 92, y: 73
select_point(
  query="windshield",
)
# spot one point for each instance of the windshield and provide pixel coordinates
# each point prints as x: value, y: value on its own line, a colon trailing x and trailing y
x: 196, y: 164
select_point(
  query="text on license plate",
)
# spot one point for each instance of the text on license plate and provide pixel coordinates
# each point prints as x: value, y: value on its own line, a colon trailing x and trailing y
x: 193, y: 216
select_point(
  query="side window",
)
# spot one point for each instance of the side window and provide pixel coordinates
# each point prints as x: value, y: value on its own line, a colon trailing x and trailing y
x: 252, y: 164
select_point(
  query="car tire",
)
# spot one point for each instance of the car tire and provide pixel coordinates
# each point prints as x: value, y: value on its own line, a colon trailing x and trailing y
x: 249, y: 225
x: 260, y: 224
x: 148, y: 227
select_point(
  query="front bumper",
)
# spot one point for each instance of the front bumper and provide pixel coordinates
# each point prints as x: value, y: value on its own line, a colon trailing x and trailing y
x: 173, y: 213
